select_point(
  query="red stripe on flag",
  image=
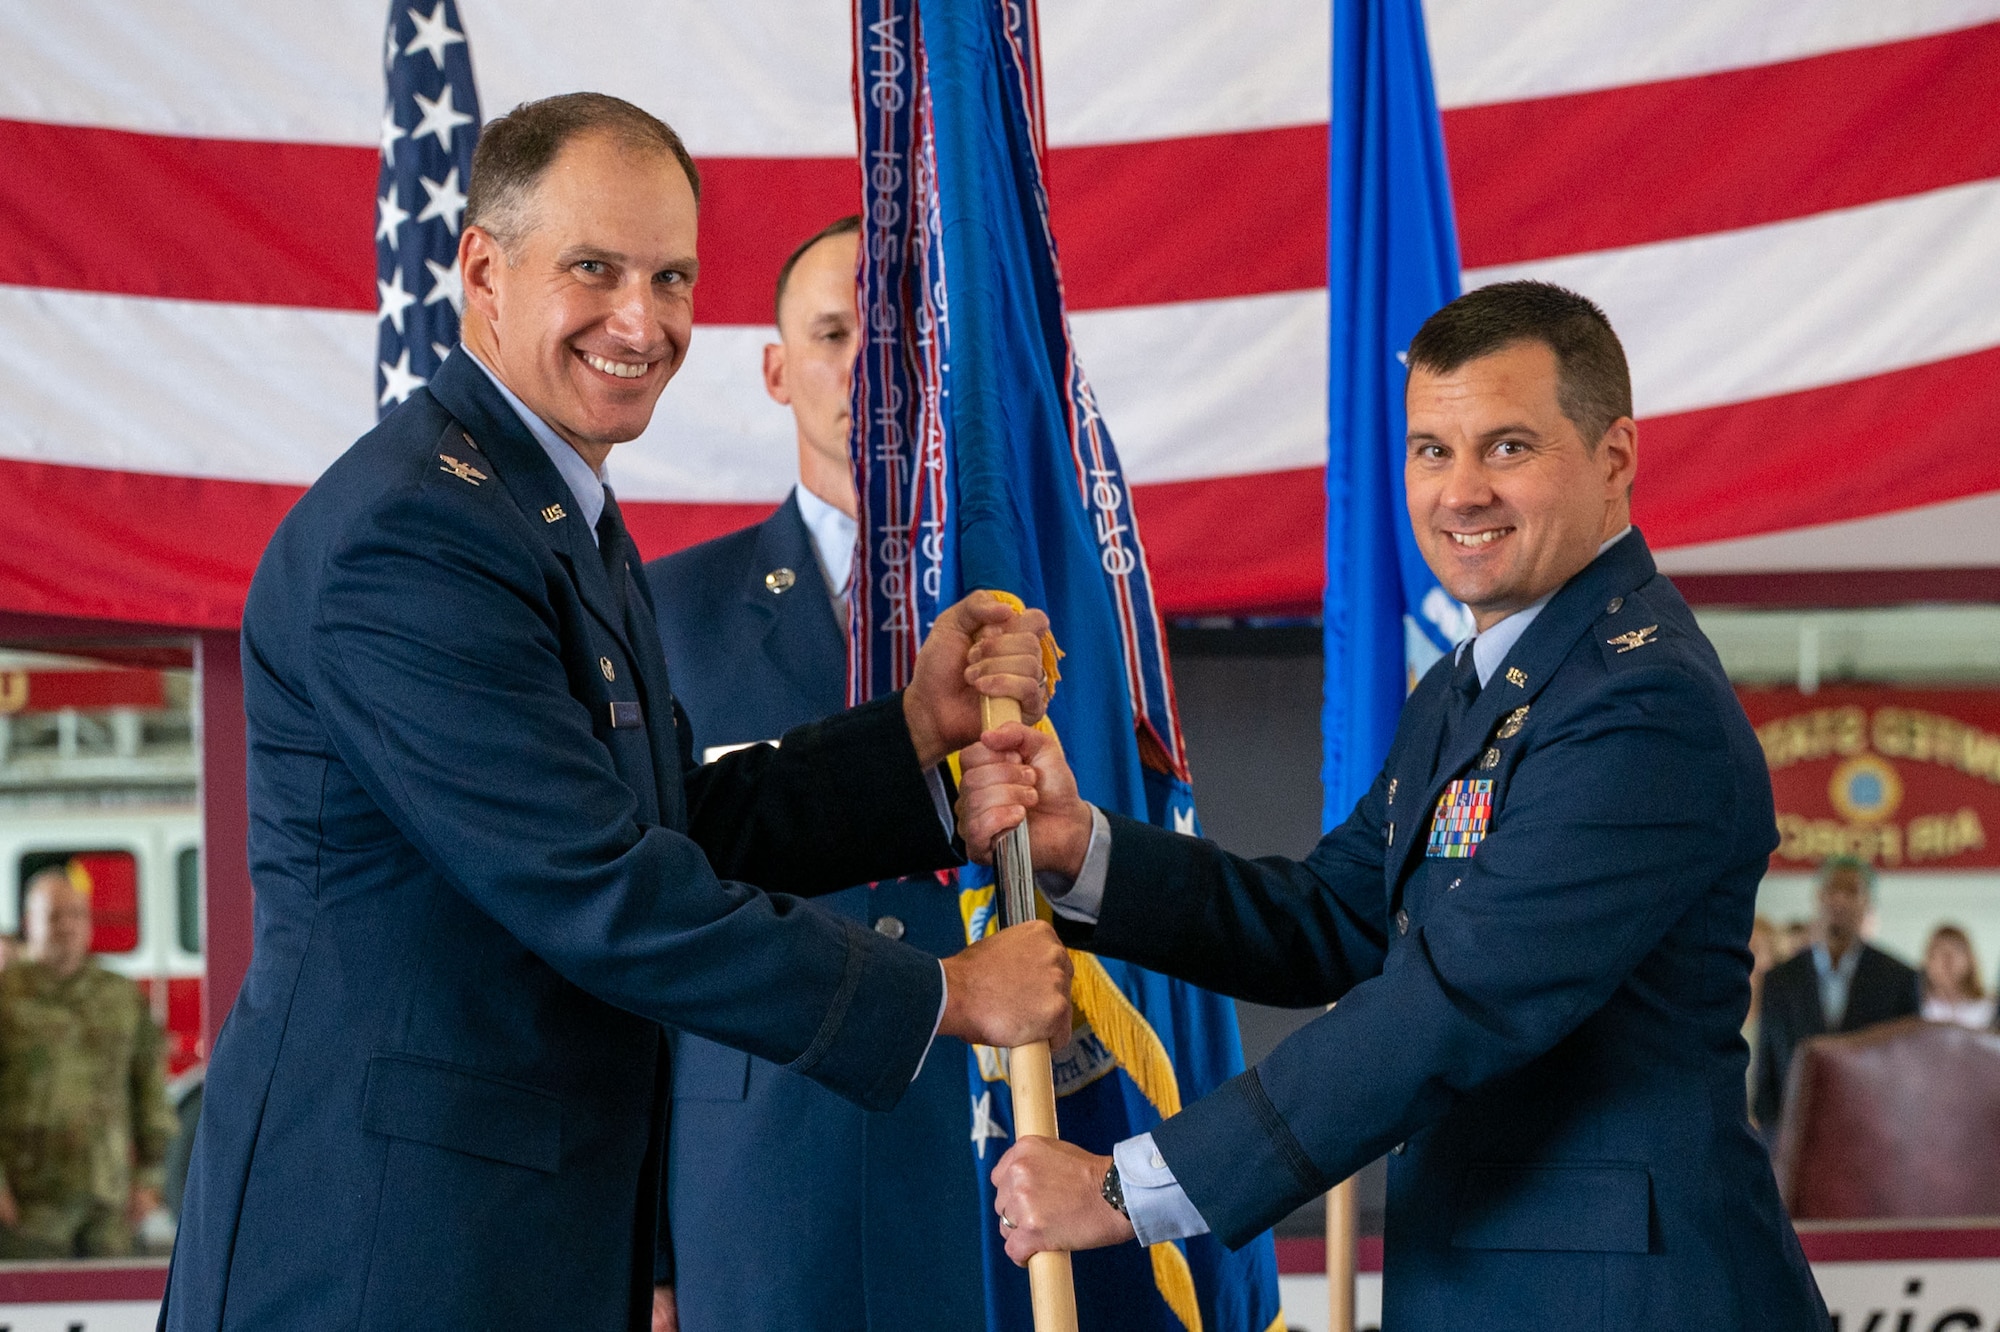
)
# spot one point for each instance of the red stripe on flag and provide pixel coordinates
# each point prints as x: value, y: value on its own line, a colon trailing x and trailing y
x: 266, y: 223
x: 1240, y: 545
x: 1139, y: 223
x: 1867, y: 446
x: 1685, y: 157
x: 1190, y: 219
x: 169, y: 550
x: 143, y: 548
x: 256, y: 223
x: 659, y: 528
x: 132, y: 546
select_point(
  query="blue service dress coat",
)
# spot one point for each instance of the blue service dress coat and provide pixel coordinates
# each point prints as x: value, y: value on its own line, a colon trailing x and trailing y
x: 793, y: 1209
x: 487, y: 873
x: 1544, y: 1035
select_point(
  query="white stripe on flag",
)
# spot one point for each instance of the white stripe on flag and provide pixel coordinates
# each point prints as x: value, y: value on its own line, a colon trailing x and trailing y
x: 1935, y: 536
x: 1210, y: 388
x: 190, y: 388
x: 1138, y: 70
x: 1492, y: 51
x: 1737, y: 315
x: 755, y: 78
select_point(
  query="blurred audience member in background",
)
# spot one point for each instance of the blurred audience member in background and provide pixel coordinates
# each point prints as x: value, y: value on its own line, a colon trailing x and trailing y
x: 1839, y: 984
x: 1764, y: 945
x: 1952, y: 989
x: 84, y: 1121
x: 1795, y: 938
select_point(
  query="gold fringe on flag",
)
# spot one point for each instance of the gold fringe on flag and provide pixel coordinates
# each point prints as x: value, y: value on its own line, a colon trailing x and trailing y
x: 1175, y: 1280
x: 1125, y: 1032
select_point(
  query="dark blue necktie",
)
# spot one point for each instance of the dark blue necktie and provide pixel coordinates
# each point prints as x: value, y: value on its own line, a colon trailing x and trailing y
x: 1458, y: 700
x: 613, y: 546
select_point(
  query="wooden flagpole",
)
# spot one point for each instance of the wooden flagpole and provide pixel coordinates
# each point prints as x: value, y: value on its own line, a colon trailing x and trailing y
x: 1342, y: 1223
x: 1030, y: 1074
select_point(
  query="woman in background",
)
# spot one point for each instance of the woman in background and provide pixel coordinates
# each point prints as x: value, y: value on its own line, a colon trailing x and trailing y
x: 1952, y: 989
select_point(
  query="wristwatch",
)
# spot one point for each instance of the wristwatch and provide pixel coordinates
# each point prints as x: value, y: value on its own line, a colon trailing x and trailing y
x: 1114, y: 1190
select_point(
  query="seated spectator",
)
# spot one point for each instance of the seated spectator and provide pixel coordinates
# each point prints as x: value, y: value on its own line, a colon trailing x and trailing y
x: 1952, y: 989
x: 1839, y: 984
x: 84, y: 1120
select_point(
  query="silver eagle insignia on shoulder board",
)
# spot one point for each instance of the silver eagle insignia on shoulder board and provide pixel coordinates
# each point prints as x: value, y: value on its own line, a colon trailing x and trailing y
x: 1638, y: 638
x: 463, y: 471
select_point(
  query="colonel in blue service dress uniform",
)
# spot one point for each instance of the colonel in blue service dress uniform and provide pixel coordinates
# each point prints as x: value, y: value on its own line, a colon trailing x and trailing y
x: 488, y: 871
x: 1535, y: 923
x: 793, y: 1208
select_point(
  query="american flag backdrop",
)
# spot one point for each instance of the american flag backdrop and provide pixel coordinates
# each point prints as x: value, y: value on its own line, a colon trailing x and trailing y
x: 1790, y: 208
x: 430, y: 122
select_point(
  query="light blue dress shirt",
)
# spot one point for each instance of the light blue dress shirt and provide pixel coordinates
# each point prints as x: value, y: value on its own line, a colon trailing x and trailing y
x: 586, y: 484
x: 1159, y: 1207
x: 1836, y: 981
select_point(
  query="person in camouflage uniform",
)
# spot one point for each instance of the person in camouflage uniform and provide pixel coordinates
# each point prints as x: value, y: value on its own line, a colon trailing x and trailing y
x: 84, y: 1120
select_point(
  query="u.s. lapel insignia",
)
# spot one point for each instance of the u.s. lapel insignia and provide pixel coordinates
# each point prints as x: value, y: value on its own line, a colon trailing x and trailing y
x: 1638, y: 638
x: 1392, y: 790
x: 465, y: 472
x: 778, y: 580
x: 1512, y: 726
x: 1517, y: 677
x: 553, y: 514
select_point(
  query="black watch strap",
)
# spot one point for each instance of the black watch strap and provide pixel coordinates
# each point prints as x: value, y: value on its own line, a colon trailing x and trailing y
x: 1114, y: 1190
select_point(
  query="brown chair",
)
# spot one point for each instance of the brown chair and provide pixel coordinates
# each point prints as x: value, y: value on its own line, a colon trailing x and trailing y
x: 1896, y: 1120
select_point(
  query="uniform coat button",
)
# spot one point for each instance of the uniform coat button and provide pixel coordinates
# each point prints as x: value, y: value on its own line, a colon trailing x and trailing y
x: 889, y: 927
x: 1402, y: 922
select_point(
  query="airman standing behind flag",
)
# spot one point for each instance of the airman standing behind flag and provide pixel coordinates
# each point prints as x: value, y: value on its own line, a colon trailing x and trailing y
x: 84, y: 1121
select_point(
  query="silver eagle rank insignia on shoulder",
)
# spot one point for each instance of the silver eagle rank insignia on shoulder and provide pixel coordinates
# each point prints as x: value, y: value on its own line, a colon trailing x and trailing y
x: 464, y: 471
x: 1634, y: 640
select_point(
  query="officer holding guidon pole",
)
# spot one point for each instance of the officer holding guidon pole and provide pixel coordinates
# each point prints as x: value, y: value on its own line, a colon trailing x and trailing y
x: 1535, y: 921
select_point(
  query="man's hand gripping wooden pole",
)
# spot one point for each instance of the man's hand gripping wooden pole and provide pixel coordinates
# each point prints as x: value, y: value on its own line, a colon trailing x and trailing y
x: 1030, y: 1074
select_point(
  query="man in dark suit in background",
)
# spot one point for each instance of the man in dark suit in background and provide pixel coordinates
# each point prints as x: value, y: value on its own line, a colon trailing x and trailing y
x: 488, y: 870
x: 1535, y: 921
x: 795, y: 1210
x: 1838, y: 984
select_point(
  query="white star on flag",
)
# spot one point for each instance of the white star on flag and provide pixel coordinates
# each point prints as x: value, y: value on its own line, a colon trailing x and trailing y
x: 1184, y: 821
x: 440, y: 118
x: 398, y: 382
x: 439, y: 350
x: 447, y: 202
x: 389, y: 46
x: 984, y: 1126
x: 433, y: 34
x: 391, y: 132
x: 447, y: 284
x: 389, y: 218
x: 395, y: 299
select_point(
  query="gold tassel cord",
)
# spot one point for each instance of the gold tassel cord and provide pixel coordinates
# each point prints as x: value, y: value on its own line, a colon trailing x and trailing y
x: 1175, y: 1281
x: 1125, y: 1032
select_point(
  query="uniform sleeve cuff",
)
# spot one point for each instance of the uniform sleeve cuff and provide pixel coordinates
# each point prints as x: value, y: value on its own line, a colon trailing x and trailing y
x: 1082, y: 898
x: 1154, y: 1200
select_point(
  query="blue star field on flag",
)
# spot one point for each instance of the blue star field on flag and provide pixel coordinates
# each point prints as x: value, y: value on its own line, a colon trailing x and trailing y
x: 430, y: 122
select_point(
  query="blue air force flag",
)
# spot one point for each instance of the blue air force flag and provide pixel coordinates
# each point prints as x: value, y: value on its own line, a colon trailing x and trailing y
x: 1392, y: 260
x: 982, y: 461
x: 430, y: 122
